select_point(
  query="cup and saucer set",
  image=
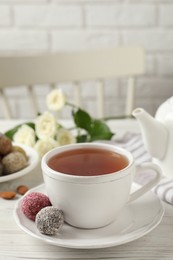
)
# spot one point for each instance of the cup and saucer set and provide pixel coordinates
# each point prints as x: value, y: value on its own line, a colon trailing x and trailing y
x: 101, y: 209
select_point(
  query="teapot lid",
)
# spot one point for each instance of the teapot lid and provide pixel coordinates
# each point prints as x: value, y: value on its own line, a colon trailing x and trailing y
x: 164, y: 109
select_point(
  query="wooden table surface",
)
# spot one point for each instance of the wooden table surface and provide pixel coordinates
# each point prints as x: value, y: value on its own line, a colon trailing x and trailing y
x: 16, y: 244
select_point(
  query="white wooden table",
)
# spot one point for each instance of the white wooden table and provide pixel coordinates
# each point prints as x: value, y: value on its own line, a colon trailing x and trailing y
x: 16, y: 244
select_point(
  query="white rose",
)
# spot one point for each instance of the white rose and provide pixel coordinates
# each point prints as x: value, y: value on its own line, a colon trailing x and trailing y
x: 44, y: 145
x: 46, y: 126
x: 65, y: 137
x: 25, y: 135
x: 55, y: 100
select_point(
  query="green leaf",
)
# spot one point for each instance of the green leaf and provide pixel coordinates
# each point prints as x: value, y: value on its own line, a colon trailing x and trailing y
x: 10, y: 133
x: 100, y: 131
x: 82, y: 138
x: 31, y: 124
x: 82, y: 119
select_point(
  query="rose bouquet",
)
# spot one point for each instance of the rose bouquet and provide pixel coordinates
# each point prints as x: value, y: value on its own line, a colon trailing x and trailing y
x: 46, y: 132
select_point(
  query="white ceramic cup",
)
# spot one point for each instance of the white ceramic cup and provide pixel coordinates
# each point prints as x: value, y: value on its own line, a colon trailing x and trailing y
x: 93, y: 201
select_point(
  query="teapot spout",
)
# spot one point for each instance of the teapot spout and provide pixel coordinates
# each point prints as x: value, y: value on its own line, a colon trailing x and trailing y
x: 155, y: 134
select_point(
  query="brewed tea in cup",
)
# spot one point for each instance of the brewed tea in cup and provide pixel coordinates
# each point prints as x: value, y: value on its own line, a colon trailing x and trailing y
x: 91, y: 182
x: 88, y: 162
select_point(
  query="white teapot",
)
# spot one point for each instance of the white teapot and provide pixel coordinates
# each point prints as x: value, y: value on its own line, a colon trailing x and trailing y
x: 158, y: 134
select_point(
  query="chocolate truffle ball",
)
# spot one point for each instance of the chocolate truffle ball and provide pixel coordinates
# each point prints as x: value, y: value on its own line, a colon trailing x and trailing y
x: 13, y: 162
x: 1, y: 167
x: 33, y: 202
x: 49, y: 220
x: 5, y: 145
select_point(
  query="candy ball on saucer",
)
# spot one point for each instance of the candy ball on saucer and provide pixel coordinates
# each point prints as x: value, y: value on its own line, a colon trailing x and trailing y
x: 33, y: 202
x: 49, y: 220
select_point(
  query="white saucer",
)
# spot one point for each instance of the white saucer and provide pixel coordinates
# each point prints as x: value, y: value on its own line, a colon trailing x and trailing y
x: 137, y: 219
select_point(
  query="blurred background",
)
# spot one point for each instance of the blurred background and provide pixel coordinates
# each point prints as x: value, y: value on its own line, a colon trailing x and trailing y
x: 38, y: 26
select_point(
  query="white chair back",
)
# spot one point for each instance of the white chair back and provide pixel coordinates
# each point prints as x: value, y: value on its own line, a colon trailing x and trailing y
x: 76, y: 67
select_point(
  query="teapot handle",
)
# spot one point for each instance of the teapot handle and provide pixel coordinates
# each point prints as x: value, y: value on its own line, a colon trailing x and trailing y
x: 141, y: 191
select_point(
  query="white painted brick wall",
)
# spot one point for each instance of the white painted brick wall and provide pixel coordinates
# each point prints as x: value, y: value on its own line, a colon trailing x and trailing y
x: 165, y: 64
x: 151, y: 39
x: 48, y: 15
x: 120, y: 15
x: 83, y: 39
x: 28, y: 26
x: 166, y: 17
x: 5, y: 18
x: 12, y: 40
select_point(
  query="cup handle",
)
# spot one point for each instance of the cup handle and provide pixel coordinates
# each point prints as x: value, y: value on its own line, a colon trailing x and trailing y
x: 149, y: 185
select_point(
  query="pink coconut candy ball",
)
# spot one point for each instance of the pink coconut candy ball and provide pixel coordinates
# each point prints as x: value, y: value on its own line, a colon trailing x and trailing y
x: 33, y: 202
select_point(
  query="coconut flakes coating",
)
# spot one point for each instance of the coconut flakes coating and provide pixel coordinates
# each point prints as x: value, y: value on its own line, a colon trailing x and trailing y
x: 16, y: 148
x: 13, y: 162
x: 33, y: 202
x: 49, y: 220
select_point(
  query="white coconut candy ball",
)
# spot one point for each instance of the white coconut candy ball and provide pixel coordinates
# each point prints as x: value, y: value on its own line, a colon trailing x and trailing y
x: 49, y: 220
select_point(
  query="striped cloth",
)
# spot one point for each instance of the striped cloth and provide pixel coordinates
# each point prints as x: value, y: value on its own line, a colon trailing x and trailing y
x: 133, y: 142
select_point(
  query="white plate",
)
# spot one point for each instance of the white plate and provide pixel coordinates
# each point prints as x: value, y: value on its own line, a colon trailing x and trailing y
x: 32, y: 163
x: 136, y: 220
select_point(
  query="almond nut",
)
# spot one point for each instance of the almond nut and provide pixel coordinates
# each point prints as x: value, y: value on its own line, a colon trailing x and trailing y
x: 22, y: 189
x: 8, y: 195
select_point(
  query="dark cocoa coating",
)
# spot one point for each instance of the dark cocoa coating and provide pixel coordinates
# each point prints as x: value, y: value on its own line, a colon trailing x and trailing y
x: 1, y: 167
x: 5, y: 145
